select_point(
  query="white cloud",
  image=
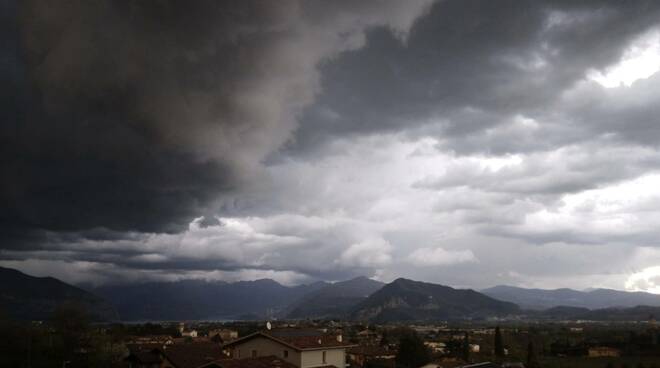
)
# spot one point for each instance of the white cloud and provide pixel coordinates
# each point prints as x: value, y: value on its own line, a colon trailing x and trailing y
x: 440, y: 257
x: 368, y: 253
x: 640, y: 61
x: 647, y: 280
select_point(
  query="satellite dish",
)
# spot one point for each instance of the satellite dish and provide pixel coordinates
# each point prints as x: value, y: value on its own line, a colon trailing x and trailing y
x: 268, y: 325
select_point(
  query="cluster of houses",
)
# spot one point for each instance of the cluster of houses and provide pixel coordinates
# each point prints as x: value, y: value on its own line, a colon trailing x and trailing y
x: 270, y: 348
x: 273, y: 348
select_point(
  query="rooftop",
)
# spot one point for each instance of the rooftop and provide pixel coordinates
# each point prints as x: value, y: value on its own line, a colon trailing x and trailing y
x: 299, y: 339
x: 192, y: 355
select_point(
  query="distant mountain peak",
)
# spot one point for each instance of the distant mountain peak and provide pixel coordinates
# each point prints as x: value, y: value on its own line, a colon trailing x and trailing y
x: 405, y: 299
x: 36, y: 298
x: 335, y: 300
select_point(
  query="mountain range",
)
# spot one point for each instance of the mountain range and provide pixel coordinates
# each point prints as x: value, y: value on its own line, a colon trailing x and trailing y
x: 26, y: 297
x: 539, y: 299
x: 36, y: 298
x: 199, y: 299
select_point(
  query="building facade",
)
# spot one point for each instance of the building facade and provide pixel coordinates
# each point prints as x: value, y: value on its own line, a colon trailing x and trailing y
x: 304, y: 349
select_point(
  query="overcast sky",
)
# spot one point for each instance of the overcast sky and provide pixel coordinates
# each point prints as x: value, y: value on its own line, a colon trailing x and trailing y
x: 468, y: 143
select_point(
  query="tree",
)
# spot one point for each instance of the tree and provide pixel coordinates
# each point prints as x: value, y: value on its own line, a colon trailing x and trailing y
x: 412, y: 351
x: 532, y: 360
x: 71, y: 323
x: 499, y: 345
x: 385, y: 341
x: 466, y: 348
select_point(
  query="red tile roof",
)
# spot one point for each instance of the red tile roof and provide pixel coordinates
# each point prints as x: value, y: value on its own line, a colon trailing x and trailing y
x: 299, y: 341
x: 370, y: 351
x: 192, y: 355
x: 145, y: 357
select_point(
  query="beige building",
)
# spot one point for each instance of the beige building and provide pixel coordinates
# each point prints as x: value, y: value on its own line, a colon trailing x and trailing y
x: 225, y: 334
x: 603, y: 351
x: 302, y: 348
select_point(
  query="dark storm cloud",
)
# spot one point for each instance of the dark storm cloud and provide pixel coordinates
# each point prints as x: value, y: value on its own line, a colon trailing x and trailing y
x: 470, y: 66
x: 134, y: 116
x: 322, y: 140
x: 102, y: 138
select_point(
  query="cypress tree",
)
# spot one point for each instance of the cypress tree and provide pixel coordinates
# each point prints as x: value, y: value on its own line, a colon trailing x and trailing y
x: 466, y: 348
x: 532, y: 360
x: 499, y: 346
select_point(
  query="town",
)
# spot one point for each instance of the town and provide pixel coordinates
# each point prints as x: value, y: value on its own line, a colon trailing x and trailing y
x: 70, y: 340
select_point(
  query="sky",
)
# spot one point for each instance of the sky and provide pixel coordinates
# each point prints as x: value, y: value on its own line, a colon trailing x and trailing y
x: 468, y: 143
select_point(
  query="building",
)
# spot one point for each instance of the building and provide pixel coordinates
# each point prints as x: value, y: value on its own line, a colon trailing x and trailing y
x: 301, y: 347
x: 436, y: 347
x: 152, y: 358
x: 150, y: 339
x: 189, y: 333
x: 603, y: 351
x: 368, y: 337
x: 225, y: 335
x: 192, y: 355
x: 360, y: 355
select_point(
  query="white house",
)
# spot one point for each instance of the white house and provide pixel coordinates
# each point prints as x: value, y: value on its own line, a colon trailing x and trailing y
x: 302, y: 348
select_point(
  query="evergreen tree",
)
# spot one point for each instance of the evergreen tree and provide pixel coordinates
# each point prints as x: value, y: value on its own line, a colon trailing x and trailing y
x: 466, y: 348
x: 532, y: 360
x: 412, y: 351
x: 499, y: 345
x: 385, y: 341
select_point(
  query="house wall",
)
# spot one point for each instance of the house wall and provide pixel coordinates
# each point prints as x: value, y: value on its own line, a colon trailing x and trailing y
x: 266, y: 347
x: 314, y: 358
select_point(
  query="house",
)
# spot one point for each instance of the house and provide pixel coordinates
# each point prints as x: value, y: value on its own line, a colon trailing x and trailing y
x: 146, y: 356
x: 360, y: 355
x: 192, y: 355
x: 223, y: 334
x: 151, y: 339
x: 603, y: 351
x: 304, y: 348
x: 436, y: 347
x: 189, y: 333
x: 368, y: 337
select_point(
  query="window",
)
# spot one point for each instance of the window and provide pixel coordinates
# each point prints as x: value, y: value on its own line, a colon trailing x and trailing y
x: 324, y: 358
x: 285, y: 354
x: 254, y: 353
